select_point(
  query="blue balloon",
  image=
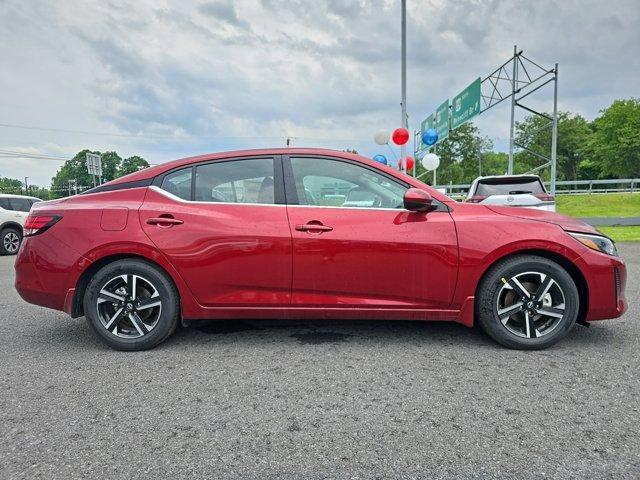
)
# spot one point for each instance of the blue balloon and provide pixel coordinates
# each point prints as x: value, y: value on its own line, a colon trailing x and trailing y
x: 429, y: 136
x: 380, y: 159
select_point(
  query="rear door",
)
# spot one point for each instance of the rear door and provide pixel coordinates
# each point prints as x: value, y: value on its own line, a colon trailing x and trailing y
x: 354, y: 245
x: 224, y: 227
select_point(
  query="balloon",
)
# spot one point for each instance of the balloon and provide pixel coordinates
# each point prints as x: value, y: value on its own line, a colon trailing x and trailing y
x: 430, y: 161
x: 381, y: 137
x: 429, y: 136
x: 380, y: 159
x: 400, y: 136
x: 409, y: 162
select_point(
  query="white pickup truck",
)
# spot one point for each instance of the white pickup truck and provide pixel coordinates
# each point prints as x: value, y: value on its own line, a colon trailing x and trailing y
x: 14, y: 210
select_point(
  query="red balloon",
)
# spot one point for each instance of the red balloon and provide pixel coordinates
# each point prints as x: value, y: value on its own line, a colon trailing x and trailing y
x: 409, y: 163
x: 400, y: 136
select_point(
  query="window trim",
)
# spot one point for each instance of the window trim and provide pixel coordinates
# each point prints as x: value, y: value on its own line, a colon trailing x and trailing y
x: 278, y: 180
x: 292, y: 192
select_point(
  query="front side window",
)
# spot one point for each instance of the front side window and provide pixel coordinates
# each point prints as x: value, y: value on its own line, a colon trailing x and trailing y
x: 236, y: 181
x: 334, y: 183
x: 178, y: 183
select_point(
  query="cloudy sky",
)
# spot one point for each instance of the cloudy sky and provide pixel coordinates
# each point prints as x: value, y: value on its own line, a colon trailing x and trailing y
x: 166, y: 79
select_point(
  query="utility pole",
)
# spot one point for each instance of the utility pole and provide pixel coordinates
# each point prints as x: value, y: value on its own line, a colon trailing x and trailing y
x: 403, y: 104
x: 26, y: 185
x: 554, y: 133
x: 513, y: 109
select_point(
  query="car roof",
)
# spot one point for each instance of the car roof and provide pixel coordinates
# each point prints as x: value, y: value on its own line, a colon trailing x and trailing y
x: 10, y: 195
x: 156, y: 170
x: 152, y: 172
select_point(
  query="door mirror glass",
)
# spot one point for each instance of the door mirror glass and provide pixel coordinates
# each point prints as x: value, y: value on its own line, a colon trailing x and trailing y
x: 417, y: 200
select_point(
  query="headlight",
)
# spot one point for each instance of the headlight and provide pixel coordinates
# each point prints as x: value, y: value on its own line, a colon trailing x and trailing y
x: 596, y: 242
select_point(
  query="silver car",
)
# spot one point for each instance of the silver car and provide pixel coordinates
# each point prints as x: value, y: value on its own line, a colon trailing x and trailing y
x: 511, y: 191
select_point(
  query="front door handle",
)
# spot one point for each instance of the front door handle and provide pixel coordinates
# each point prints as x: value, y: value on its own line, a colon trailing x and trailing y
x: 164, y: 221
x: 313, y: 228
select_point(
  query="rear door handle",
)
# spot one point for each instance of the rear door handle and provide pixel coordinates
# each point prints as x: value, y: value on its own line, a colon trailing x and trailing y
x: 164, y: 221
x: 310, y: 227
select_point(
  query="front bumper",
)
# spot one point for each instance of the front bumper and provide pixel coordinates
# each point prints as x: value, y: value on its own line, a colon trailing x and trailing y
x: 606, y: 279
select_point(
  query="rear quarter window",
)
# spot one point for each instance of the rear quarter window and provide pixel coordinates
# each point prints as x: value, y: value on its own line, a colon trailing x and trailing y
x: 178, y: 183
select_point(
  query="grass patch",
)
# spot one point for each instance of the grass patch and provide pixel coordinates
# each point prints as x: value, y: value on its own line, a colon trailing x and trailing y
x: 622, y: 234
x: 599, y: 205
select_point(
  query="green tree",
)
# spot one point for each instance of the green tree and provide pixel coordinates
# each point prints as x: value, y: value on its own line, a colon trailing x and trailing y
x: 614, y: 147
x: 460, y: 155
x: 10, y: 185
x: 132, y: 164
x: 76, y: 169
x: 534, y: 132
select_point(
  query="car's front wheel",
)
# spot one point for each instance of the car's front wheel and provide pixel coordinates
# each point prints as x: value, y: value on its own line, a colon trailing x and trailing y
x: 10, y: 240
x: 527, y: 302
x: 132, y: 305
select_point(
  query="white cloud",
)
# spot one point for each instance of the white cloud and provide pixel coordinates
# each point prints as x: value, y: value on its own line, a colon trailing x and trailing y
x: 325, y: 71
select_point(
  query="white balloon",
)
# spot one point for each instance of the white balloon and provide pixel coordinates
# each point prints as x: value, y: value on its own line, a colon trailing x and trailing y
x: 382, y: 137
x: 430, y: 161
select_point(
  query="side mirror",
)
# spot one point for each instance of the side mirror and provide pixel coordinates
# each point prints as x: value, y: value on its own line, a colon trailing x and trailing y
x: 417, y: 200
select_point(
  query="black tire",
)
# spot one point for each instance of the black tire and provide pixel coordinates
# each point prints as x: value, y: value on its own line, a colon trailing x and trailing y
x: 146, y: 278
x: 519, y: 330
x: 10, y: 240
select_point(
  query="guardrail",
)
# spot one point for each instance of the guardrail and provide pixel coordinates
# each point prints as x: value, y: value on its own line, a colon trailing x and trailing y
x: 567, y: 186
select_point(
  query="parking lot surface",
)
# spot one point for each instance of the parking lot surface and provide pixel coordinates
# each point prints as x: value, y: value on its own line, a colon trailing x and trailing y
x: 313, y: 400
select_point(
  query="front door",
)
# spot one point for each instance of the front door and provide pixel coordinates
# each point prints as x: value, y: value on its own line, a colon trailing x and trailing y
x: 224, y: 227
x: 354, y: 245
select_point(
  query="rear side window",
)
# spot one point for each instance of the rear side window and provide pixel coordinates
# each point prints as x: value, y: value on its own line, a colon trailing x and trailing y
x: 508, y: 187
x: 178, y: 183
x: 20, y: 204
x: 236, y: 181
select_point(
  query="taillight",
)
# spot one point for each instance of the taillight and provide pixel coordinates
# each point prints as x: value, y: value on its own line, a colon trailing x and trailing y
x: 545, y: 197
x: 36, y: 224
x: 476, y: 198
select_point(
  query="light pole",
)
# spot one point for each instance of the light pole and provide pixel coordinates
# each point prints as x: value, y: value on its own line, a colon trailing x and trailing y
x: 403, y: 102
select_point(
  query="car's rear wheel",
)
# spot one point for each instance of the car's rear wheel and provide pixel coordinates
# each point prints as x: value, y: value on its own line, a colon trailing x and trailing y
x: 132, y: 305
x: 527, y: 302
x: 10, y: 240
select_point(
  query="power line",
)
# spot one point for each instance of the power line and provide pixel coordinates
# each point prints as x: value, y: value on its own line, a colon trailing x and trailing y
x: 171, y: 137
x: 126, y: 135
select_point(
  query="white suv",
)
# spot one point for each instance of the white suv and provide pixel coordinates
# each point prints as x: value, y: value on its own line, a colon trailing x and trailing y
x: 511, y: 191
x: 13, y: 212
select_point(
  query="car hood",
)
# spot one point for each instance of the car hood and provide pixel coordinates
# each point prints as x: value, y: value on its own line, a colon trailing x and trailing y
x: 566, y: 223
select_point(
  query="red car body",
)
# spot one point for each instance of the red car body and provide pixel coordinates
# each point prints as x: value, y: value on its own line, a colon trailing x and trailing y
x: 265, y: 261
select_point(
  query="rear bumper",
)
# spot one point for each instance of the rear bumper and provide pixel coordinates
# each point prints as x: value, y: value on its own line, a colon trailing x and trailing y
x: 46, y: 270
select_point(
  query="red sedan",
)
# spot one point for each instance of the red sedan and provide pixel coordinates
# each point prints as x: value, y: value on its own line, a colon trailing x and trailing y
x: 309, y: 233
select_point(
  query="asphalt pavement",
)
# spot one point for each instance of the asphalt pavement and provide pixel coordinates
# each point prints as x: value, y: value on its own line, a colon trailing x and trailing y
x: 316, y: 400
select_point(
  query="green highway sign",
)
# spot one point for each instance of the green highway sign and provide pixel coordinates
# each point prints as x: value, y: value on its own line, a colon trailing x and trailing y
x: 442, y: 120
x: 438, y: 121
x: 466, y: 104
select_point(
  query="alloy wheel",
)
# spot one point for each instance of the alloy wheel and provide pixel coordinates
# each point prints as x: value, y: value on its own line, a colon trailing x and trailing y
x: 11, y: 242
x: 530, y: 304
x: 129, y: 306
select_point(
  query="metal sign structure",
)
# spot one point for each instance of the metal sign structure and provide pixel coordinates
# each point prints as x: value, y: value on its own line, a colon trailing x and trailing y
x: 514, y: 80
x: 94, y: 166
x: 466, y: 104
